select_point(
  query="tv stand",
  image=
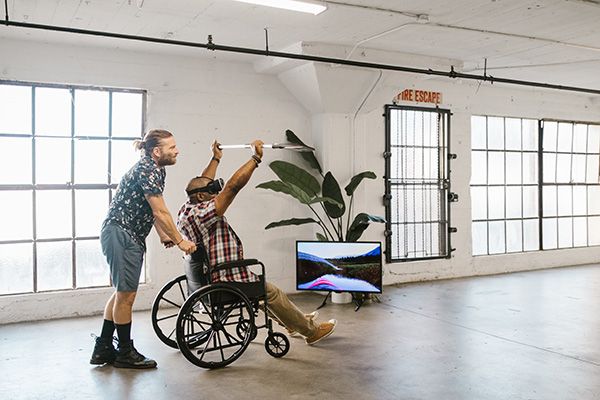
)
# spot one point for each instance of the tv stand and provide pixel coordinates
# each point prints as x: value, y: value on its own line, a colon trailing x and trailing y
x: 324, y: 300
x: 358, y: 299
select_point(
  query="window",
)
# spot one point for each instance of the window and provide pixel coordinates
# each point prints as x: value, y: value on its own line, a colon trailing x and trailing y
x: 65, y: 150
x: 417, y: 183
x: 524, y: 171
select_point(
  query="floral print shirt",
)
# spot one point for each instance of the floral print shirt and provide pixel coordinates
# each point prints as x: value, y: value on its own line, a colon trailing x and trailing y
x: 129, y: 208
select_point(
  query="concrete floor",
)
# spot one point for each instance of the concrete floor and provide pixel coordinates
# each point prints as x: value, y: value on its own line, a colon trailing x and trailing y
x: 532, y: 335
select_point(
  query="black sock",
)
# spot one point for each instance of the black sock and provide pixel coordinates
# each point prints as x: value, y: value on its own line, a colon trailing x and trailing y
x: 108, y: 328
x: 124, y: 333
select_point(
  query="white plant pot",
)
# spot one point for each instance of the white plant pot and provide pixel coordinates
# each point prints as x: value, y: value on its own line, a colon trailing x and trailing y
x: 341, y: 298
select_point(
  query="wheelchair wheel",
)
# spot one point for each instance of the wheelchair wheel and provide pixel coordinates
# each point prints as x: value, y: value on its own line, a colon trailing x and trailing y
x: 243, y: 326
x: 277, y: 344
x: 166, y: 308
x: 208, y: 326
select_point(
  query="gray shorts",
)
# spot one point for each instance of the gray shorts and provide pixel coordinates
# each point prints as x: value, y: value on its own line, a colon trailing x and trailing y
x: 125, y: 257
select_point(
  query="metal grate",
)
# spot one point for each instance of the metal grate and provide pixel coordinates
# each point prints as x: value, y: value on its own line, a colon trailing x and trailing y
x: 417, y: 183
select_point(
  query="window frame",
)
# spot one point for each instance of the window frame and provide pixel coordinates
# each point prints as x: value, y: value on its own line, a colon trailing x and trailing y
x: 71, y: 187
x: 444, y: 185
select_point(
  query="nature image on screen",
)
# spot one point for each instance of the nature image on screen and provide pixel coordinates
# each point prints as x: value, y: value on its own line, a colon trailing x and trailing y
x: 339, y: 266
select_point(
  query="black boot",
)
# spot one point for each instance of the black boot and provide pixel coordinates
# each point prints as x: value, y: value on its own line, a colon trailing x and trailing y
x: 104, y: 352
x: 128, y: 357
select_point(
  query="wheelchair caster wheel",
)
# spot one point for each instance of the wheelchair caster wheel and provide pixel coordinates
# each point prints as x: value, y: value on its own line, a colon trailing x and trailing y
x: 277, y: 344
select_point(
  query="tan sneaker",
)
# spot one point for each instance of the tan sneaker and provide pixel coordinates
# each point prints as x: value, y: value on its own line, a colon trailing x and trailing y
x: 325, y: 329
x: 313, y: 315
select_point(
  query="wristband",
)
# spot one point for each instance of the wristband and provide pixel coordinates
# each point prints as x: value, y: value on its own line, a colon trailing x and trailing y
x: 179, y: 242
x: 216, y: 159
x: 256, y: 159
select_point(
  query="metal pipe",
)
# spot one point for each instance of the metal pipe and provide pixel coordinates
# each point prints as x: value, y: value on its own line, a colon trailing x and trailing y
x: 243, y: 50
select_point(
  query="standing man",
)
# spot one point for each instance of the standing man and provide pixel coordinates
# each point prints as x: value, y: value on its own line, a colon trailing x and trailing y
x: 201, y: 220
x: 138, y: 204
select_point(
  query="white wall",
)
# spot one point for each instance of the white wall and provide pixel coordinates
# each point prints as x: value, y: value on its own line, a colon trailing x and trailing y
x: 200, y: 100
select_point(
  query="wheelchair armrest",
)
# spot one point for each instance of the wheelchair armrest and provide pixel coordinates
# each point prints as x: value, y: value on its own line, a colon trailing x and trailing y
x: 236, y: 264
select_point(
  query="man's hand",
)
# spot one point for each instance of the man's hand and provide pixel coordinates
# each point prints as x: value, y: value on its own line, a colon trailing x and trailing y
x: 257, y: 148
x: 217, y: 152
x: 187, y: 247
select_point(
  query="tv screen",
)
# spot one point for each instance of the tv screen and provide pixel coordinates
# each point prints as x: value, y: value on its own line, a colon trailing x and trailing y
x: 339, y: 266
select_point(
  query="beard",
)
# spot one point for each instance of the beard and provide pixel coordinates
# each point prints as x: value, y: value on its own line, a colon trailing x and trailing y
x: 165, y: 160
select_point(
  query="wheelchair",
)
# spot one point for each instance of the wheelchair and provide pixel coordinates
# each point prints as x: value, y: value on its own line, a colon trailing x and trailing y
x: 212, y: 323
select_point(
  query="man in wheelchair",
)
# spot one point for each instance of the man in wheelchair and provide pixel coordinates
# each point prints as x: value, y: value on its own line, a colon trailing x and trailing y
x: 201, y: 220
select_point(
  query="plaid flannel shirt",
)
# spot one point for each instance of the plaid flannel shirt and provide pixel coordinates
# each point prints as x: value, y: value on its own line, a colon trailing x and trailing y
x: 199, y: 223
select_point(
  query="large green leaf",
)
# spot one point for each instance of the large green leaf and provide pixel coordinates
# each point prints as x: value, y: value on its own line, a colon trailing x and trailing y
x: 331, y: 189
x: 325, y: 201
x: 291, y: 174
x: 356, y: 180
x: 309, y: 156
x: 292, y: 221
x: 282, y: 187
x: 360, y: 223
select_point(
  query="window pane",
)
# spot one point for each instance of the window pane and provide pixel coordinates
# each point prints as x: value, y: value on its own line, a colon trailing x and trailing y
x: 580, y: 138
x: 16, y: 268
x: 513, y: 134
x: 531, y: 235
x: 16, y: 215
x: 565, y: 200
x: 15, y: 163
x: 565, y: 232
x: 53, y: 214
x: 550, y: 133
x: 513, y: 168
x: 549, y: 168
x: 418, y: 130
x: 593, y: 139
x: 579, y: 168
x: 496, y: 202
x: 478, y: 167
x: 54, y: 265
x: 92, y: 269
x: 594, y: 200
x: 479, y: 238
x: 126, y: 114
x: 549, y: 196
x: 479, y: 202
x: 91, y: 161
x: 513, y: 202
x: 495, y: 167
x: 549, y: 233
x: 530, y: 134
x: 52, y: 112
x: 15, y: 109
x: 52, y: 160
x: 530, y: 201
x: 530, y: 168
x: 594, y: 231
x: 563, y: 168
x: 579, y: 200
x: 495, y: 133
x: 478, y: 133
x: 91, y: 113
x: 496, y: 239
x: 90, y: 210
x: 580, y: 231
x: 593, y: 172
x: 514, y: 236
x: 565, y: 136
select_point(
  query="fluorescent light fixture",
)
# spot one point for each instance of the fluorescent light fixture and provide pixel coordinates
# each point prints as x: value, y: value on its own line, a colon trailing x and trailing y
x: 292, y: 5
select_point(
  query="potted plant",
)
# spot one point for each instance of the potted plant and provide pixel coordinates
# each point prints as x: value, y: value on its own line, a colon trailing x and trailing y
x: 322, y: 196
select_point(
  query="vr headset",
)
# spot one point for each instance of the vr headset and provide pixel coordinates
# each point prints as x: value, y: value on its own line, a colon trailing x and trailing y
x: 214, y: 187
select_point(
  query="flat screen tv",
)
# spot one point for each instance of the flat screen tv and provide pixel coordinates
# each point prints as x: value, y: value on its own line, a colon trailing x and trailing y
x: 339, y: 266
